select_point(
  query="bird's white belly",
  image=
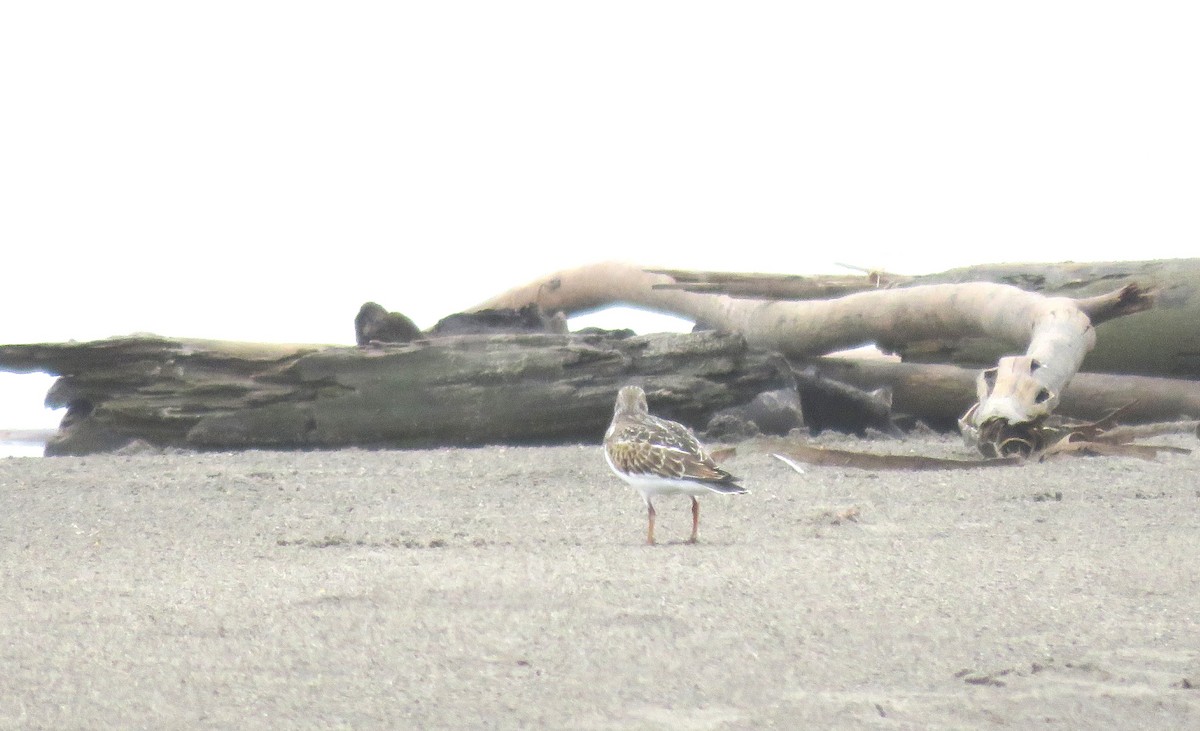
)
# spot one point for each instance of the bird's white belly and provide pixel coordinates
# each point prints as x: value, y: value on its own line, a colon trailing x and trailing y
x: 652, y: 485
x: 648, y: 485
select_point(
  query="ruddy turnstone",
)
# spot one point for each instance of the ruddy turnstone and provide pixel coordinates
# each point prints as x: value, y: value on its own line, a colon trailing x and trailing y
x: 660, y: 457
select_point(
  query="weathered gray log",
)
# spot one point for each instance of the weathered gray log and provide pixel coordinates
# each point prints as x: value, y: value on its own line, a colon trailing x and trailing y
x: 454, y: 391
x: 940, y: 394
x: 777, y: 286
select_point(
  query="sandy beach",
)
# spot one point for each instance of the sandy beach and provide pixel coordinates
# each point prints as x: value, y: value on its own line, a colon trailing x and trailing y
x: 511, y: 588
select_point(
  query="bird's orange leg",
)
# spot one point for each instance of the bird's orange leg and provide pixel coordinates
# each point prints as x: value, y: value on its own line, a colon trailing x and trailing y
x: 695, y: 520
x: 650, y: 531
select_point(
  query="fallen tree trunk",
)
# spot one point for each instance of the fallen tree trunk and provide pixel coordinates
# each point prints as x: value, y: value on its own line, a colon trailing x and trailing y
x: 1056, y: 332
x: 798, y: 329
x: 939, y: 394
x: 1163, y: 341
x: 453, y: 391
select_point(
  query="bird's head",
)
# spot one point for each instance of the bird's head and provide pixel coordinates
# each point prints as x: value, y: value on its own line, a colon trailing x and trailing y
x: 631, y: 400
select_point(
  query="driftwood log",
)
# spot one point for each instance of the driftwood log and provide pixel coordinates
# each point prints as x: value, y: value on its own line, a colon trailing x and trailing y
x: 453, y: 391
x: 1055, y: 332
x: 1164, y: 341
x: 940, y: 394
x: 557, y: 388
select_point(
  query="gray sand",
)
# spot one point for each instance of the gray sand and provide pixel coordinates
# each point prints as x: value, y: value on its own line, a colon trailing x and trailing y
x: 507, y: 588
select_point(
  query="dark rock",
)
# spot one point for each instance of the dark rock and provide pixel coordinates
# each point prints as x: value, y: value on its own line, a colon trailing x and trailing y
x: 375, y: 324
x: 727, y: 427
x: 770, y: 412
x: 830, y: 404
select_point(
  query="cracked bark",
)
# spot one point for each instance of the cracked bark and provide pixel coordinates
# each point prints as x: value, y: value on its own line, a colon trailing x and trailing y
x: 452, y: 391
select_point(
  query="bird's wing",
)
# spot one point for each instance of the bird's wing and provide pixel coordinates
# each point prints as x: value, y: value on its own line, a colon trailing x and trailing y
x: 659, y: 447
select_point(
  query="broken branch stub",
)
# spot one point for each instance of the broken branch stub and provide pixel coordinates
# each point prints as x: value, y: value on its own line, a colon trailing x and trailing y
x: 1009, y: 397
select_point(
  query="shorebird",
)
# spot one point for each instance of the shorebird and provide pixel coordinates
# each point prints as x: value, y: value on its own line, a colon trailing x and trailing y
x: 660, y: 457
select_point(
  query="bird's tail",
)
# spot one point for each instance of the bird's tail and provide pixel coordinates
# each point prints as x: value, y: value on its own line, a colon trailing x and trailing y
x: 726, y: 486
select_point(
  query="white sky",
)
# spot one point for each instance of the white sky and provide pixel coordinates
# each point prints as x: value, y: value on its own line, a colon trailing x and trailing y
x: 256, y: 170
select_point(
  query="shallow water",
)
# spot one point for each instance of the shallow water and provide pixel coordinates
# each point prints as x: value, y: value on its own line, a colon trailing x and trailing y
x: 23, y: 442
x: 21, y: 449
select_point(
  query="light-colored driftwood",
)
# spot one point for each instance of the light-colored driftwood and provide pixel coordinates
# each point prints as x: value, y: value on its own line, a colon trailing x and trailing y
x: 452, y: 391
x: 1055, y: 332
x: 998, y: 311
x: 1163, y: 341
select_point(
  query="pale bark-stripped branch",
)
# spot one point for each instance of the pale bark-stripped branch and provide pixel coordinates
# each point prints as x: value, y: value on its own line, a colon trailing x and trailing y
x: 1163, y: 343
x: 814, y: 328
